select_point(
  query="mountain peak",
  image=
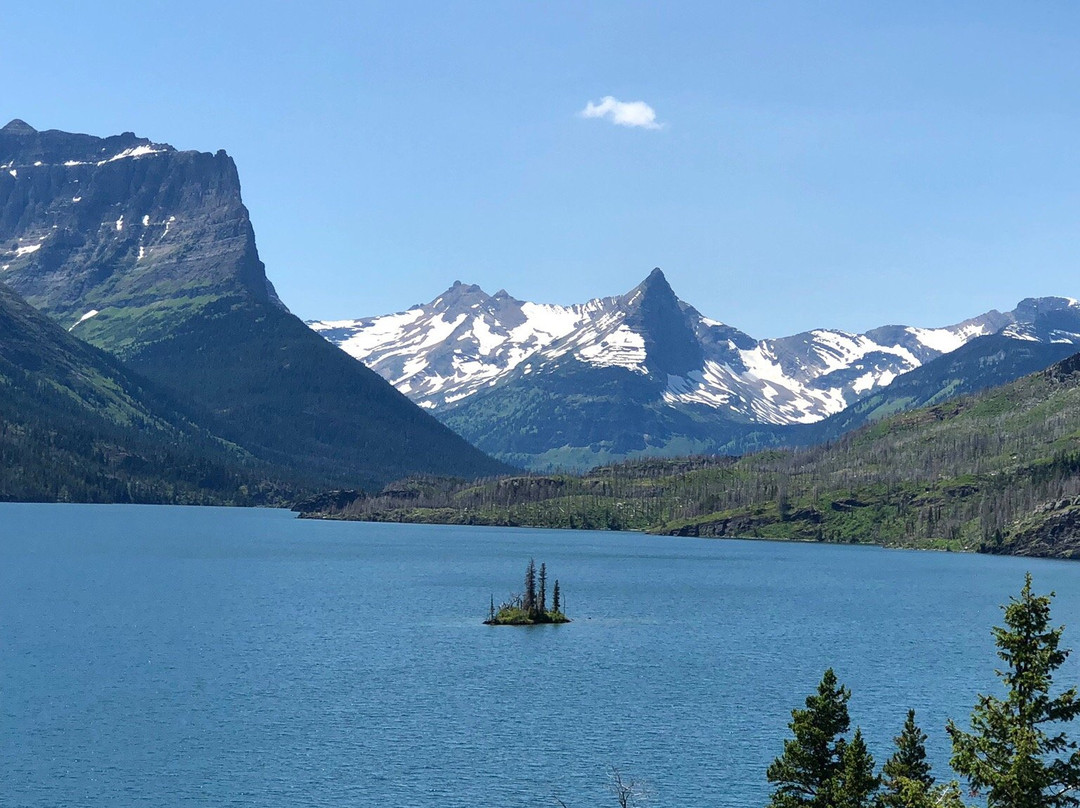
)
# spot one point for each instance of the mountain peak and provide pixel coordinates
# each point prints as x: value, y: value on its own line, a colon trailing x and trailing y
x: 654, y: 284
x: 654, y: 311
x: 17, y: 126
x: 460, y: 296
x: 655, y: 279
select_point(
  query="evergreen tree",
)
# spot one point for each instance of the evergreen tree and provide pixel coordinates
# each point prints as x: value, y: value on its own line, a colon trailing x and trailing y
x: 857, y: 783
x: 530, y: 588
x: 543, y: 587
x: 906, y: 775
x: 1017, y: 752
x: 555, y: 605
x: 808, y: 771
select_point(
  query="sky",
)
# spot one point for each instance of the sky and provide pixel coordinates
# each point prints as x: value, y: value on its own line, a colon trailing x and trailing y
x: 789, y: 165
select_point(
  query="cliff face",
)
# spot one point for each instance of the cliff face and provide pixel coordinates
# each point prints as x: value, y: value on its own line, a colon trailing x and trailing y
x: 138, y: 232
x: 149, y: 252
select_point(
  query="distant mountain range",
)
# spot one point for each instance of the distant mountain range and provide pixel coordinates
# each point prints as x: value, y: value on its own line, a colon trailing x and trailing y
x: 645, y: 373
x: 149, y: 253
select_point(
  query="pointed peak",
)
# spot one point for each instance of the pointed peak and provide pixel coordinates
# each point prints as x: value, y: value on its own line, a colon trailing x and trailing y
x: 656, y: 280
x: 655, y: 285
x: 17, y: 126
x: 460, y: 294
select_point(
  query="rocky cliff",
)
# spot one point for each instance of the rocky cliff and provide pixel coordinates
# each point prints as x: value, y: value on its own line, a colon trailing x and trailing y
x: 149, y: 252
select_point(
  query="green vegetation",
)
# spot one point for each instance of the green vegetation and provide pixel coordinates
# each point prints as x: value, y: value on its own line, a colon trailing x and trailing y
x: 1017, y: 753
x: 259, y: 377
x: 905, y: 777
x: 820, y: 768
x: 182, y: 299
x: 998, y: 472
x: 530, y: 607
x: 76, y: 425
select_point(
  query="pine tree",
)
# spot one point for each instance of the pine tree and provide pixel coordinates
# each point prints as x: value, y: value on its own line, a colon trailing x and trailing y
x: 906, y: 775
x: 856, y: 783
x: 808, y: 771
x: 555, y: 605
x: 543, y: 588
x: 530, y: 589
x: 1017, y: 752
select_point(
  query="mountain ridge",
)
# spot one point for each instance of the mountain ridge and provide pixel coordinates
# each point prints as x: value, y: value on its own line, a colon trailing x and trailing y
x: 498, y: 370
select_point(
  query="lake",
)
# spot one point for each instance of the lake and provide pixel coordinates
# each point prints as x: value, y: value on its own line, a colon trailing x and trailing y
x: 166, y: 656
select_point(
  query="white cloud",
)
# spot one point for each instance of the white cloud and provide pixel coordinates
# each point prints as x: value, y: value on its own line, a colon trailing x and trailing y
x: 637, y: 114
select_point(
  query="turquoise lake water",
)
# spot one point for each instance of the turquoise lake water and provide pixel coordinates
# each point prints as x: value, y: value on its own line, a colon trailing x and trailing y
x: 157, y: 656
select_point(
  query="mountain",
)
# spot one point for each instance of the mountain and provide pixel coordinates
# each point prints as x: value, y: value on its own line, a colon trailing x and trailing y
x: 75, y: 424
x: 981, y: 364
x: 149, y: 253
x: 996, y: 472
x: 646, y: 373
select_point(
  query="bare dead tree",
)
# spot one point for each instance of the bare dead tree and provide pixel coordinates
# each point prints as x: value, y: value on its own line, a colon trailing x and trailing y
x: 629, y: 791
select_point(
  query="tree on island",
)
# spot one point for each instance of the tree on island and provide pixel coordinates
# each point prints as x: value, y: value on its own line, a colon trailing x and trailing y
x: 530, y: 607
x: 530, y: 587
x: 1017, y: 752
x: 543, y: 587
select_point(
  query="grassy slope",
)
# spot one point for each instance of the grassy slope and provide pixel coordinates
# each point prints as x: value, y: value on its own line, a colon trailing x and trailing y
x: 984, y: 472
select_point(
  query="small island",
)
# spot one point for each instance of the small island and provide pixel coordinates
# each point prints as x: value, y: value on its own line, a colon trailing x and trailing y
x: 530, y: 608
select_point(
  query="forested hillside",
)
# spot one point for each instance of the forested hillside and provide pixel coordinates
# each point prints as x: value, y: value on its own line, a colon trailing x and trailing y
x: 76, y: 425
x: 997, y: 472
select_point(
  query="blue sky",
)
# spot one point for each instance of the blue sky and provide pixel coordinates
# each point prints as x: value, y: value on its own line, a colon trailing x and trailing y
x: 810, y: 164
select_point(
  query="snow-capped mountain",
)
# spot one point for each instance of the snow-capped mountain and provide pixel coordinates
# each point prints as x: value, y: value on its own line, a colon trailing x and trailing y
x: 462, y: 341
x: 467, y: 341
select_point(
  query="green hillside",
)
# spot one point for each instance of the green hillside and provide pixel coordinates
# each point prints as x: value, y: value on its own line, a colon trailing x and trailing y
x: 76, y: 425
x: 996, y: 472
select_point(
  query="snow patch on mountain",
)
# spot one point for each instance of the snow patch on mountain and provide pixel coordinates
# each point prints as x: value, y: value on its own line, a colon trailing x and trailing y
x: 459, y: 343
x: 947, y: 340
x: 621, y: 348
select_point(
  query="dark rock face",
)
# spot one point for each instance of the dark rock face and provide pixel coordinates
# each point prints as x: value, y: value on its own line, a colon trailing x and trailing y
x: 671, y: 346
x: 121, y: 225
x: 149, y: 252
x: 328, y: 502
x: 1052, y: 532
x: 18, y: 127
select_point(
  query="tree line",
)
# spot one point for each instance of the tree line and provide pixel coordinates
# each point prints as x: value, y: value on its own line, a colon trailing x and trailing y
x: 1016, y: 753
